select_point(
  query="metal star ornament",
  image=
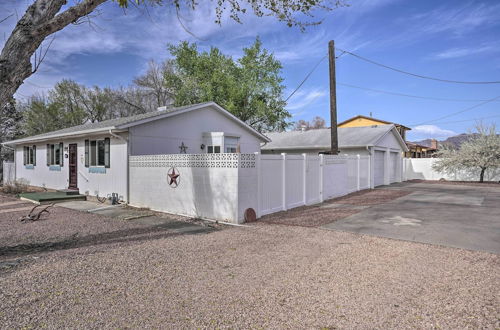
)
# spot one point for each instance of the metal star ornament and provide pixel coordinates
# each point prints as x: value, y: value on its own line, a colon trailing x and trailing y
x: 173, y: 177
x: 183, y: 148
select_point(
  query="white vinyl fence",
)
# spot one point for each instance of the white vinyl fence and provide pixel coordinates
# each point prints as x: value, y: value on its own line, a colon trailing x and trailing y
x: 288, y: 181
x: 421, y: 168
x: 9, y: 172
x: 223, y: 186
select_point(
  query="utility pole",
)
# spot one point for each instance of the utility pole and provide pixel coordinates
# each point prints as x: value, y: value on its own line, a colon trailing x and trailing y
x: 333, y: 100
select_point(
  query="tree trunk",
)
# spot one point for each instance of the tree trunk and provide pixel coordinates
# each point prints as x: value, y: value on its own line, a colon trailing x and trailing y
x: 38, y: 22
x: 481, y: 175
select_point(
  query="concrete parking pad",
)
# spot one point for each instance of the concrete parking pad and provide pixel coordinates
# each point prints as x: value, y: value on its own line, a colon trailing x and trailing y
x: 465, y: 217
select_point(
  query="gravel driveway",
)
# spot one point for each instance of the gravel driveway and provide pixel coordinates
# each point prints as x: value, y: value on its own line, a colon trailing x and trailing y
x: 261, y: 276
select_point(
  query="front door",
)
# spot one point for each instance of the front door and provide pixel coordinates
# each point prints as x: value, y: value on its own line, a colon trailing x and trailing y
x: 73, y: 167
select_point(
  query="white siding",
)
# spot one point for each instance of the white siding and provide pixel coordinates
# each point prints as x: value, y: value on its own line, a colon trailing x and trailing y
x: 164, y: 136
x: 102, y: 184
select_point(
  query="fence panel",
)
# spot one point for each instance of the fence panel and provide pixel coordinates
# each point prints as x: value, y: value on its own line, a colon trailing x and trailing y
x: 271, y: 171
x: 352, y: 173
x: 313, y: 187
x: 335, y: 176
x: 9, y: 172
x: 421, y: 168
x: 294, y: 168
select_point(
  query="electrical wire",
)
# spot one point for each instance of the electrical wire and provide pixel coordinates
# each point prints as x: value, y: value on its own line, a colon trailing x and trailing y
x: 306, y: 77
x: 418, y: 75
x: 461, y: 111
x: 465, y: 120
x: 409, y: 95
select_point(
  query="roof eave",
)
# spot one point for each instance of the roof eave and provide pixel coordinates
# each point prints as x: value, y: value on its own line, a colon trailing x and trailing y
x: 63, y: 135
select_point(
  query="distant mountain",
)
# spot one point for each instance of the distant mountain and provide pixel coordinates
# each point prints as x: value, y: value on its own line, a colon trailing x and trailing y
x: 455, y: 141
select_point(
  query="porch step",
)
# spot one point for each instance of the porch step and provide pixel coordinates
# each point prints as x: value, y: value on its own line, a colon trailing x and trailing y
x: 51, y: 197
x: 69, y: 191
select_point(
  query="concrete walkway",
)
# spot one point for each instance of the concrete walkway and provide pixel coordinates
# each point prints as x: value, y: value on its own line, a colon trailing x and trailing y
x: 459, y: 216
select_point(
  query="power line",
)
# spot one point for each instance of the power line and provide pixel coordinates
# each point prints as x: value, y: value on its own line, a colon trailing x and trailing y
x: 418, y: 75
x: 456, y: 113
x: 465, y: 120
x: 306, y: 77
x: 410, y: 95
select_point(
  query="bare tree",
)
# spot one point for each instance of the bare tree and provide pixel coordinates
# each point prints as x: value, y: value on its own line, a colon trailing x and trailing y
x: 316, y: 123
x: 43, y: 18
x: 153, y: 82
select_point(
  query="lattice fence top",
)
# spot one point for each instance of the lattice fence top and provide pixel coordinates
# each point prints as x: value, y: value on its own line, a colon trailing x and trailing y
x: 223, y: 160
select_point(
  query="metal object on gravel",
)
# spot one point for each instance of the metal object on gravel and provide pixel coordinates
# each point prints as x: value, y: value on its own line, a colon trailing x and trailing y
x: 35, y: 214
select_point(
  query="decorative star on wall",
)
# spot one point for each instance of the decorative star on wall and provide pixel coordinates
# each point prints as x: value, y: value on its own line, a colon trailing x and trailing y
x: 183, y: 148
x: 173, y: 177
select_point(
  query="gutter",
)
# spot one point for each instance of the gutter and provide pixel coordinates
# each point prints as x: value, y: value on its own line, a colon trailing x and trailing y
x: 128, y: 164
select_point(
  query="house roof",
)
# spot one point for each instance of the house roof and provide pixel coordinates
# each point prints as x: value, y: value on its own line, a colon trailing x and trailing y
x: 371, y: 118
x: 124, y: 123
x: 349, y: 137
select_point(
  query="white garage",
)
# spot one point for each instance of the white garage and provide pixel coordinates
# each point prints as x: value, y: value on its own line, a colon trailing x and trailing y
x: 394, y: 166
x: 378, y: 167
x: 382, y: 142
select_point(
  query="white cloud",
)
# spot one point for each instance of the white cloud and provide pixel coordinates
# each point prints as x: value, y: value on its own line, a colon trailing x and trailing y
x: 458, y: 20
x: 463, y: 52
x: 430, y: 131
x: 302, y: 99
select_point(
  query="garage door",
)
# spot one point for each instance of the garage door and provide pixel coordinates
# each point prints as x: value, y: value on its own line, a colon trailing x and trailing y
x: 378, y: 170
x: 394, y: 167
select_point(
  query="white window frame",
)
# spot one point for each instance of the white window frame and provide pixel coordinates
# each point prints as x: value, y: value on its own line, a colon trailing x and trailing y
x: 30, y: 155
x: 53, y: 159
x: 96, y: 157
x: 211, y: 149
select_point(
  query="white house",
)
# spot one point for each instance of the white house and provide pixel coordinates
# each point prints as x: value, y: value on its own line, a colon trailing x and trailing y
x: 94, y: 157
x: 382, y: 142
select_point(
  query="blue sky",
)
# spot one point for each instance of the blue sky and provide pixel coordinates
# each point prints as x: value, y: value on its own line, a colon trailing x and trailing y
x: 457, y: 40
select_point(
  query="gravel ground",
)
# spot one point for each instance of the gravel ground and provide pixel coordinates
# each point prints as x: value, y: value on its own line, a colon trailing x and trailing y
x: 66, y: 229
x: 261, y: 276
x: 319, y: 215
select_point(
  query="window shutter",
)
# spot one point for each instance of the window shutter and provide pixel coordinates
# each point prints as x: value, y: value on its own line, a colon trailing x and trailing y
x: 106, y: 152
x: 48, y: 154
x: 87, y: 153
x: 34, y: 155
x: 25, y: 154
x: 61, y: 153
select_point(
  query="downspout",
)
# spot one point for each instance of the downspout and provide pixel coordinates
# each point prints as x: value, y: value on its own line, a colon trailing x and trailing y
x: 128, y: 165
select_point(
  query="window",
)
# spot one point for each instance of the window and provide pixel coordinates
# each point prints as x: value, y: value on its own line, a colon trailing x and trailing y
x: 213, y: 149
x: 231, y: 144
x: 55, y: 155
x: 97, y: 152
x: 29, y: 155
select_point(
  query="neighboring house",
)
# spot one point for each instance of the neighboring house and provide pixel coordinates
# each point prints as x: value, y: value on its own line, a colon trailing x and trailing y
x: 416, y: 150
x: 362, y: 121
x: 93, y: 157
x: 383, y: 142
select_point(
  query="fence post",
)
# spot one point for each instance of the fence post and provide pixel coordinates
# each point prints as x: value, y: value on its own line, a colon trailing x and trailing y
x: 321, y: 176
x: 283, y: 160
x: 304, y: 179
x: 259, y: 184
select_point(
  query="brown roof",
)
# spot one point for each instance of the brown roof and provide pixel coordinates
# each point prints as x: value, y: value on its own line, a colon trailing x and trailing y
x: 371, y: 118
